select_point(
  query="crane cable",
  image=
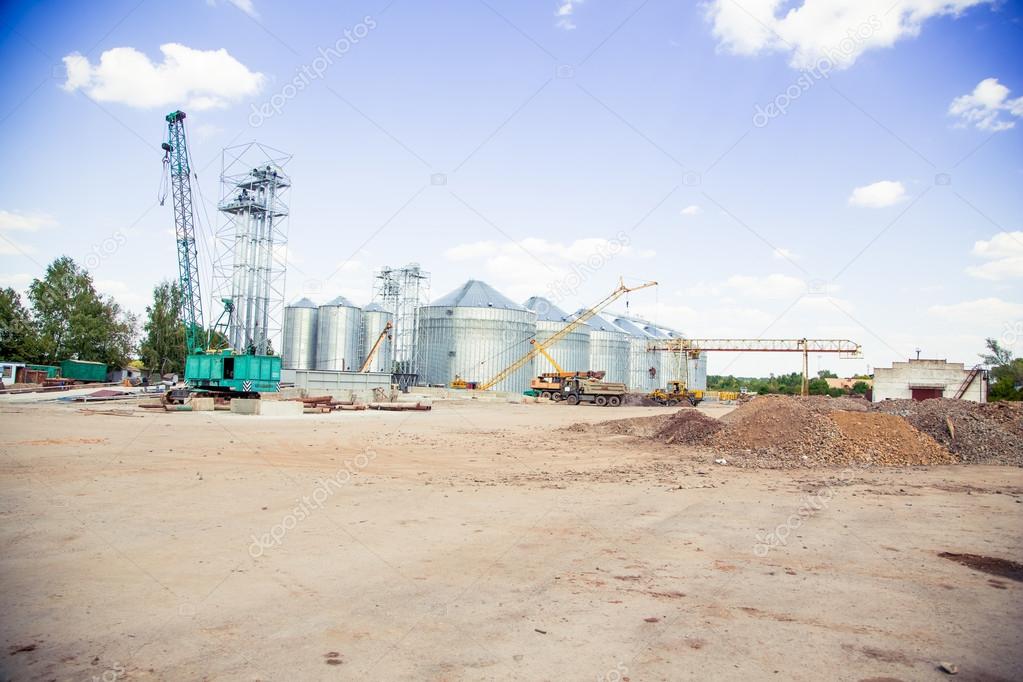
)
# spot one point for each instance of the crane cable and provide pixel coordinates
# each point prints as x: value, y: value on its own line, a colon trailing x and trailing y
x: 161, y: 191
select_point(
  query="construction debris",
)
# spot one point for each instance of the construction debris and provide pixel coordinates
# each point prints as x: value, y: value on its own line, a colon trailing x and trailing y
x: 401, y: 407
x: 977, y: 433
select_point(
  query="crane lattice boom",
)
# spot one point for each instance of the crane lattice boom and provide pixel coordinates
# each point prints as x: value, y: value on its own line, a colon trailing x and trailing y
x: 177, y: 161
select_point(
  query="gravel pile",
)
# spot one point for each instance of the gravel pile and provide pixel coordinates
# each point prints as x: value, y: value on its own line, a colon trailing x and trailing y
x: 984, y: 433
x: 790, y: 431
x: 688, y: 427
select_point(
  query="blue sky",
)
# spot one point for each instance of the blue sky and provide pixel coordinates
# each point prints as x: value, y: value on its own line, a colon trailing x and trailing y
x: 577, y: 141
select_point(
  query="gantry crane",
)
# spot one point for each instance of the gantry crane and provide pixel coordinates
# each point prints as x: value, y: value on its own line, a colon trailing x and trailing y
x: 693, y: 347
x: 206, y: 369
x: 580, y: 319
x: 368, y: 362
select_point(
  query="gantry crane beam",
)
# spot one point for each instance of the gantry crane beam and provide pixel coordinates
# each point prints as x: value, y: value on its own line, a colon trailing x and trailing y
x: 759, y: 345
x: 563, y: 332
x: 844, y: 347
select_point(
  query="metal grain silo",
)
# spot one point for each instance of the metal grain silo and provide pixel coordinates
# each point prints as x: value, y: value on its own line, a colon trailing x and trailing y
x: 338, y: 336
x: 609, y: 349
x: 298, y: 349
x: 644, y: 365
x: 473, y: 333
x: 572, y: 353
x: 374, y: 320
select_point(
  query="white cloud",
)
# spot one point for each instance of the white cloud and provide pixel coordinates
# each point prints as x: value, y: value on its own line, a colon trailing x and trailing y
x: 984, y: 312
x: 836, y: 30
x: 784, y: 254
x: 200, y: 79
x: 564, y: 14
x: 775, y: 286
x: 17, y: 280
x: 16, y: 221
x: 246, y: 6
x: 983, y: 107
x: 691, y: 210
x: 1004, y: 256
x: 9, y: 247
x: 878, y: 195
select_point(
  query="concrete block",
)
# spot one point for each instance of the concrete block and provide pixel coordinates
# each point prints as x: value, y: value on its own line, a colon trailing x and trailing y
x: 202, y: 404
x: 246, y: 405
x: 281, y: 408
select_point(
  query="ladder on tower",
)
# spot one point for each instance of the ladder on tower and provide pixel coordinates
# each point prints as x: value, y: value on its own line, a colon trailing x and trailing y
x: 967, y: 382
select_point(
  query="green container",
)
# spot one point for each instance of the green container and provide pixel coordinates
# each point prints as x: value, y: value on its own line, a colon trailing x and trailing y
x: 83, y: 370
x: 52, y: 371
x: 225, y: 370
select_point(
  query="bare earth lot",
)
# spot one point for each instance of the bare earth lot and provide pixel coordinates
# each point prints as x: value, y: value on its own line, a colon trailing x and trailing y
x: 483, y: 541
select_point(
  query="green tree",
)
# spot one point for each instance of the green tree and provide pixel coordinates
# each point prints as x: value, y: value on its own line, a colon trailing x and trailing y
x: 18, y: 340
x: 827, y: 374
x: 860, y: 388
x: 1006, y: 372
x: 74, y: 321
x: 163, y: 348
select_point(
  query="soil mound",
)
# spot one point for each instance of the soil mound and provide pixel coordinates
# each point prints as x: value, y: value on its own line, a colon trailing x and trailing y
x: 791, y: 431
x: 977, y: 433
x: 688, y: 427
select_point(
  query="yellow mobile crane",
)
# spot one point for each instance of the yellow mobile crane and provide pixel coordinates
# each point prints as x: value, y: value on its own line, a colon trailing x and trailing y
x: 549, y: 384
x: 386, y: 332
x: 562, y: 333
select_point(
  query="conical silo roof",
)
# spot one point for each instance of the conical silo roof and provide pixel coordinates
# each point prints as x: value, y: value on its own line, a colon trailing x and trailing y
x: 302, y: 303
x: 629, y: 327
x: 341, y: 301
x: 598, y: 323
x: 476, y: 294
x: 375, y: 308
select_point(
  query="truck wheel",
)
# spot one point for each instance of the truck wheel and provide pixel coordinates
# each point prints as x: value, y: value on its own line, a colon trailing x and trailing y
x: 572, y: 399
x: 545, y: 394
x: 672, y: 403
x: 614, y: 401
x: 694, y: 402
x: 557, y: 397
x: 601, y: 400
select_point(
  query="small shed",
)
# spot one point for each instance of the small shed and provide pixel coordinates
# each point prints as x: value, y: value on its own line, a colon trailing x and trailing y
x: 83, y: 370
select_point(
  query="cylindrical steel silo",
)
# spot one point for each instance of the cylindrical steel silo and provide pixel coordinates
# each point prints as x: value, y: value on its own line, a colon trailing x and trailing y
x: 298, y: 349
x: 644, y: 365
x: 698, y: 372
x: 339, y: 332
x: 473, y: 333
x: 609, y: 349
x: 374, y: 320
x: 572, y: 353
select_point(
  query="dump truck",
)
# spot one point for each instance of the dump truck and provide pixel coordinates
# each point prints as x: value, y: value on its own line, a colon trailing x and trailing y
x: 675, y: 393
x: 577, y: 390
x: 549, y: 384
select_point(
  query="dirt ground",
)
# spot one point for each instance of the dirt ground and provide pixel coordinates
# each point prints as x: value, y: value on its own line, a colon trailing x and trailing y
x: 484, y: 541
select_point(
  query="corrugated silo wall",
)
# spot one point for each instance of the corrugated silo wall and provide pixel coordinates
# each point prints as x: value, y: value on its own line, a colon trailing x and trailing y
x: 672, y: 369
x: 641, y: 361
x: 298, y: 348
x: 572, y: 352
x: 339, y: 331
x: 698, y: 372
x: 475, y: 344
x: 373, y: 323
x: 609, y: 351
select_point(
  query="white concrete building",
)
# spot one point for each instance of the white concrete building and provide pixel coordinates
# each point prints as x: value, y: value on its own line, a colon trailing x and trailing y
x: 922, y: 379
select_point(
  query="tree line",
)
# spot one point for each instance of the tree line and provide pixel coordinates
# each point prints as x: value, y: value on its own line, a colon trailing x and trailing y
x: 65, y: 318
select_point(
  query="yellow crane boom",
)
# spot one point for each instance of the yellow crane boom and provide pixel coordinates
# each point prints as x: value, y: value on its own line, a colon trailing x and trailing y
x: 543, y: 351
x: 376, y: 348
x: 562, y: 333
